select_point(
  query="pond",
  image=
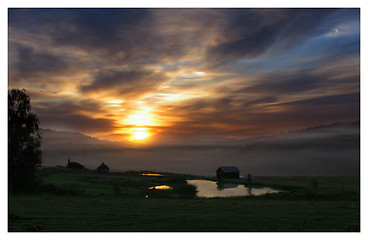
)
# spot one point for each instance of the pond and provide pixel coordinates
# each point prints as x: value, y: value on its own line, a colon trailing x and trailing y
x: 215, y: 189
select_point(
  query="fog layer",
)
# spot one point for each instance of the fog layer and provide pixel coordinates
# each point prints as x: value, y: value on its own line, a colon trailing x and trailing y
x: 321, y: 151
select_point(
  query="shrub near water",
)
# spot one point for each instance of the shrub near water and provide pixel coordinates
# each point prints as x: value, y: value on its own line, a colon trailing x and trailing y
x: 178, y: 190
x: 186, y: 190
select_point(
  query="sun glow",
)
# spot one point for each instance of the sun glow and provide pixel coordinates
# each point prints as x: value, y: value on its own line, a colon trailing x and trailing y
x: 137, y: 124
x: 200, y: 73
x: 139, y: 119
x: 139, y: 134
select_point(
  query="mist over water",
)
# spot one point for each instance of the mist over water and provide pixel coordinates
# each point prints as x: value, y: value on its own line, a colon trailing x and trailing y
x: 324, y: 151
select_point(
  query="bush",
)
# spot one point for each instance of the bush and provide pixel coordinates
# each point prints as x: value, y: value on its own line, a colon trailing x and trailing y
x: 186, y: 190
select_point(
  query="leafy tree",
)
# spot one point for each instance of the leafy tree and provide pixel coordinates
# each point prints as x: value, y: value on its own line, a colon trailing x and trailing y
x: 24, y: 142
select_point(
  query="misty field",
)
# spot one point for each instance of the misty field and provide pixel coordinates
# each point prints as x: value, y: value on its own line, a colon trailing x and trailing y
x: 81, y: 200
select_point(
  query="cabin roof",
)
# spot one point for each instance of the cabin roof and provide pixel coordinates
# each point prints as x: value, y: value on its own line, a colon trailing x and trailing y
x: 228, y: 169
x: 103, y: 166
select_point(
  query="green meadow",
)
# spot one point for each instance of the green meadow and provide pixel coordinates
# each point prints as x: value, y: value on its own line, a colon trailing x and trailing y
x: 70, y: 200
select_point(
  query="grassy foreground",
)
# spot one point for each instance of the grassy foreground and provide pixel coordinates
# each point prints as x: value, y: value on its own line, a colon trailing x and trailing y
x: 75, y: 200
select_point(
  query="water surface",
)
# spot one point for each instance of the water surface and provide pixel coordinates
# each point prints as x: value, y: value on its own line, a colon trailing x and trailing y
x: 152, y: 174
x: 214, y: 189
x: 161, y: 187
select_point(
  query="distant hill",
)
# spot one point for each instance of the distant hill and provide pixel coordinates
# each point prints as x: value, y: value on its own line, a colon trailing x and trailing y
x: 56, y: 139
x: 340, y: 134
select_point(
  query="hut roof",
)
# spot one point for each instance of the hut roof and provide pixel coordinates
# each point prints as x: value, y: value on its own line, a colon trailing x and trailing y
x: 103, y: 166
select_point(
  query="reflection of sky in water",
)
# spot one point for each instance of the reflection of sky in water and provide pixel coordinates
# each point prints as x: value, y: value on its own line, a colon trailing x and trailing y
x: 209, y: 189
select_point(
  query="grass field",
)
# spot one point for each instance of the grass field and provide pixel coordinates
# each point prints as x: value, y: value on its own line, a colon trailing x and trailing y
x: 77, y: 200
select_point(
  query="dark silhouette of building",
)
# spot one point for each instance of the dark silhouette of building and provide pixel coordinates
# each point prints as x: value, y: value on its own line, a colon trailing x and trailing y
x: 103, y: 168
x: 74, y: 165
x: 227, y: 172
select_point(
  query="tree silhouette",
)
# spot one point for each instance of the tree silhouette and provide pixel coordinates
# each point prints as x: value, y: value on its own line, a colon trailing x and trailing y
x: 24, y: 142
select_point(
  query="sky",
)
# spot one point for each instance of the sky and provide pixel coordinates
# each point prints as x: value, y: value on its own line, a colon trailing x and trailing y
x: 155, y: 75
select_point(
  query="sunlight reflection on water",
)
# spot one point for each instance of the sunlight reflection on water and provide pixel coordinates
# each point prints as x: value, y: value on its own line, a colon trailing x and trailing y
x: 213, y: 189
x: 162, y: 187
x: 152, y: 174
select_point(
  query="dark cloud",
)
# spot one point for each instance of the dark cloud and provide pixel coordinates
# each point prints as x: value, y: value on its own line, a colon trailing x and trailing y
x: 129, y: 36
x: 106, y: 32
x: 304, y: 24
x: 277, y: 84
x: 215, y: 116
x: 296, y: 114
x: 250, y: 32
x: 338, y: 74
x: 76, y: 122
x: 106, y: 29
x: 30, y: 63
x: 140, y: 36
x: 60, y: 107
x: 59, y: 114
x: 127, y: 83
x: 260, y: 100
x: 328, y: 101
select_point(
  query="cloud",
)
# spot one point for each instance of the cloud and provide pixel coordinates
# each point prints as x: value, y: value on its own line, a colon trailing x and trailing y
x: 263, y: 69
x: 328, y: 101
x: 109, y: 31
x: 66, y: 107
x: 122, y: 35
x: 248, y: 33
x: 79, y: 123
x: 43, y: 71
x: 129, y: 36
x: 125, y: 82
x: 261, y: 100
x: 259, y: 116
x: 277, y: 84
x: 77, y: 115
x: 30, y: 63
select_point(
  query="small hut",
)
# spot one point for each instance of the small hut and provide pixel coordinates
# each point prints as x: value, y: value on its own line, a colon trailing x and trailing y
x: 103, y: 168
x: 227, y: 172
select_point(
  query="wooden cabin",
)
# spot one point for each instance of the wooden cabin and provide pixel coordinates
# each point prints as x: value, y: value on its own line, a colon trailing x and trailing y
x: 227, y: 172
x: 103, y: 168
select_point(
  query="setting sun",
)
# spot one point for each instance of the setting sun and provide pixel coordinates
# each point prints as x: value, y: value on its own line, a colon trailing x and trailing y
x: 136, y: 125
x: 139, y: 134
